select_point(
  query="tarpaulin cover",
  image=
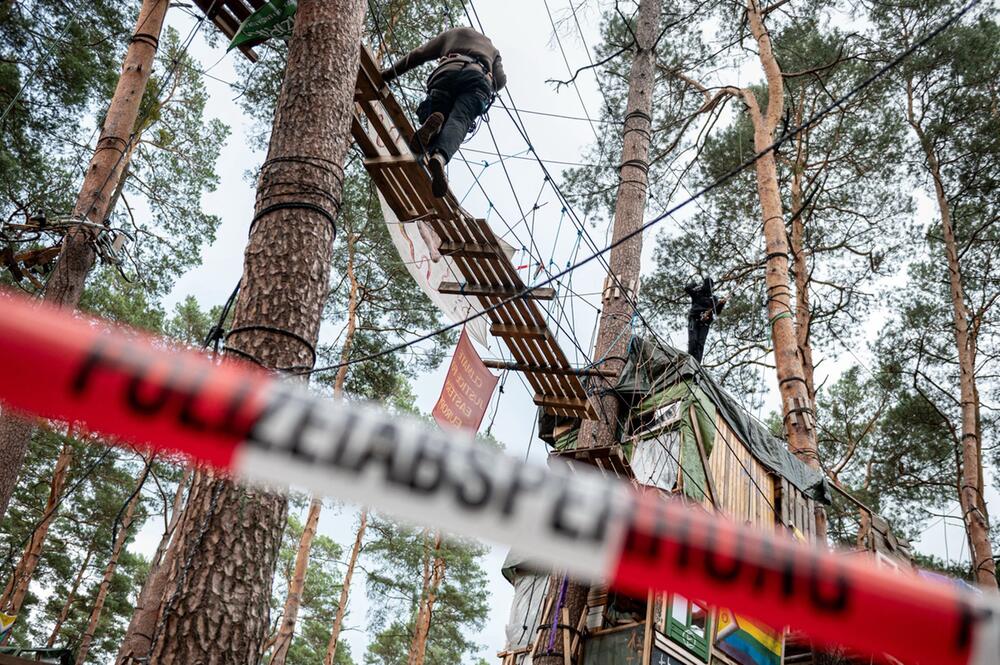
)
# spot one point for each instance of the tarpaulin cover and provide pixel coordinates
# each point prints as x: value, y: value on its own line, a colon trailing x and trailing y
x: 652, y: 368
x: 530, y: 588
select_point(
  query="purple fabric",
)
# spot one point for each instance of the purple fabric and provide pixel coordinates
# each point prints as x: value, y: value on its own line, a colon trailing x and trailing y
x: 555, y: 615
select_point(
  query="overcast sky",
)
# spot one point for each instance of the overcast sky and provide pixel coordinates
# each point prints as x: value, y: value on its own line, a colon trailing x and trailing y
x: 522, y: 31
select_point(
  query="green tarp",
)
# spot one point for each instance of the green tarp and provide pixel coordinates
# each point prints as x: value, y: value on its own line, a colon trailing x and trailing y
x: 273, y: 20
x: 655, y: 370
x: 692, y: 473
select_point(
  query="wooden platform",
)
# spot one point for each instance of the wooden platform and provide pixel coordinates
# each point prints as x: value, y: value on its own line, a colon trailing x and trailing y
x: 382, y: 131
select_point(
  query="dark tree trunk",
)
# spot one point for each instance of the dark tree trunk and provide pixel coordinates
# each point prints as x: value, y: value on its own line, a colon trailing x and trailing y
x: 218, y: 598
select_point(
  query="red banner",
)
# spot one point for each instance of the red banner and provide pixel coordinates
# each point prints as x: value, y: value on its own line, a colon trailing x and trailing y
x: 467, y: 389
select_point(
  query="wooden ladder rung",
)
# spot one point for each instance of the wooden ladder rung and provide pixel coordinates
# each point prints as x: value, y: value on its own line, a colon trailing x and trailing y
x: 389, y: 160
x: 469, y: 250
x: 580, y: 404
x: 455, y: 288
x: 509, y: 330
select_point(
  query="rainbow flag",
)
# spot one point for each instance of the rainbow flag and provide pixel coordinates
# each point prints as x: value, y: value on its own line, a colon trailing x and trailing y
x: 747, y: 642
x: 6, y: 623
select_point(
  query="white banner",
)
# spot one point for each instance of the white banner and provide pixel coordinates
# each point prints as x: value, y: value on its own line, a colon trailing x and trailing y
x: 418, y: 244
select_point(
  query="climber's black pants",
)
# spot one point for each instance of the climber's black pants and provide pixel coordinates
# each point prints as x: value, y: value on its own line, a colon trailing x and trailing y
x: 461, y: 95
x: 697, y: 334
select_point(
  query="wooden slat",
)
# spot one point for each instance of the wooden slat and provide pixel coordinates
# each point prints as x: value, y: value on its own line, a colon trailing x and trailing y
x: 507, y: 330
x: 454, y: 288
x: 572, y: 403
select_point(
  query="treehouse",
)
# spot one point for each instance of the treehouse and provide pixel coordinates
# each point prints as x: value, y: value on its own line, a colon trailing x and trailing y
x: 684, y: 435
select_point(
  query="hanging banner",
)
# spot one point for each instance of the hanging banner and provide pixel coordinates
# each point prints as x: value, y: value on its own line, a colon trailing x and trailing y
x: 467, y: 389
x: 418, y: 245
x: 272, y: 21
x: 598, y: 529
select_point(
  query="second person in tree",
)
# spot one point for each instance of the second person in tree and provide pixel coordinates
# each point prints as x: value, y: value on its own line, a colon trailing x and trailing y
x: 459, y: 90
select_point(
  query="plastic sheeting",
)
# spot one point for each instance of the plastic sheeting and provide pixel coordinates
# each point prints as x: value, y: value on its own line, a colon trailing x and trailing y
x: 526, y: 608
x: 654, y: 459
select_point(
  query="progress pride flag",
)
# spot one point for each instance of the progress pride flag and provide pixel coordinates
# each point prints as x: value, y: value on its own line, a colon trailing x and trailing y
x: 467, y: 389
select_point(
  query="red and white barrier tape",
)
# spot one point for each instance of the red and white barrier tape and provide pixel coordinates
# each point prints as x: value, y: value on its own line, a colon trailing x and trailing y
x: 240, y: 419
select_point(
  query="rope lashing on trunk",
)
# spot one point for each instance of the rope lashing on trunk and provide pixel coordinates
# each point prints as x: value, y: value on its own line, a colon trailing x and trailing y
x: 291, y: 369
x: 145, y: 38
x: 780, y: 315
x: 102, y: 144
x: 789, y: 379
x: 642, y: 115
x: 327, y: 170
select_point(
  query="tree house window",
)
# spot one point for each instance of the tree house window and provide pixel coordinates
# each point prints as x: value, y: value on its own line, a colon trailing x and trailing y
x: 689, y: 625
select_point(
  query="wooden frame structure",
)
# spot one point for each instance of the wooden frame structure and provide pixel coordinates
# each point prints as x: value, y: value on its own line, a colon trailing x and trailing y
x: 383, y: 131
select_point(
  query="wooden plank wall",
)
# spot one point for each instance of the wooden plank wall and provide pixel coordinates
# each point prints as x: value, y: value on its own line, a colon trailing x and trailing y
x: 797, y: 510
x: 735, y: 471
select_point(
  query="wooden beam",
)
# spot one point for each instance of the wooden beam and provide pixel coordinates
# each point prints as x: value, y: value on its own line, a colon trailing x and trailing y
x: 469, y: 249
x: 455, y: 288
x: 389, y: 160
x: 509, y: 330
x: 568, y: 403
x: 713, y: 494
x: 542, y: 369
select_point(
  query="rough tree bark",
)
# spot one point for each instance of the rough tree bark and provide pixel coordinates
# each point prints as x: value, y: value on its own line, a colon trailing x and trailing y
x: 136, y: 643
x: 977, y: 521
x: 217, y: 610
x: 293, y: 601
x: 17, y: 585
x: 624, y: 264
x: 338, y: 620
x: 109, y: 570
x: 65, y: 284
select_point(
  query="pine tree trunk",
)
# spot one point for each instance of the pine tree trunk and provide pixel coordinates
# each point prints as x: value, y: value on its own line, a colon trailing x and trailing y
x: 109, y: 571
x: 70, y: 597
x: 977, y: 521
x: 298, y: 583
x: 65, y: 284
x: 803, y: 306
x: 218, y: 612
x: 791, y: 380
x: 422, y: 628
x: 345, y: 589
x: 425, y: 585
x: 136, y: 643
x: 624, y: 263
x: 283, y: 639
x: 17, y: 586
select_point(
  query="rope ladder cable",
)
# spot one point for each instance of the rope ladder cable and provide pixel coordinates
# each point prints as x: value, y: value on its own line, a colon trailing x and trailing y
x: 715, y: 184
x: 632, y: 304
x: 374, y: 7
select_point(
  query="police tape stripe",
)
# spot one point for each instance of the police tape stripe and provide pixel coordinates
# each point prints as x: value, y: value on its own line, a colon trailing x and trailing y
x: 240, y: 419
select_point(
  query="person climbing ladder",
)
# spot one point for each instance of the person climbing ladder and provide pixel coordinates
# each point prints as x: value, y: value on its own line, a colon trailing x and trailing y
x: 459, y: 91
x: 704, y: 308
